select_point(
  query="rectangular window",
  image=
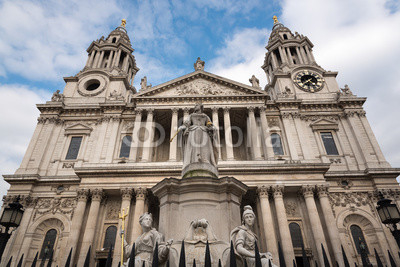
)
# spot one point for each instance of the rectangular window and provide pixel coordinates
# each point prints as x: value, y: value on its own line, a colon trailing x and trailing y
x: 74, y: 146
x: 329, y: 143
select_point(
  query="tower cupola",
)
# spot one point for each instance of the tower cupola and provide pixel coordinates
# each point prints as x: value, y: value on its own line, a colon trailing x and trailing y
x: 286, y: 51
x: 113, y: 54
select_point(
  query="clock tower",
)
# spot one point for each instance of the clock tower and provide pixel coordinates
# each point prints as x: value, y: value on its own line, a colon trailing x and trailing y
x: 292, y: 70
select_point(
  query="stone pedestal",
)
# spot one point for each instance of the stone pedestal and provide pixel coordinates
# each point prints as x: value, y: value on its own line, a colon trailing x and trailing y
x: 183, y: 201
x: 200, y: 169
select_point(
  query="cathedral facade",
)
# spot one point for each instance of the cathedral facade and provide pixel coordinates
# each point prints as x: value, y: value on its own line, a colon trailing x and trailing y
x: 301, y: 150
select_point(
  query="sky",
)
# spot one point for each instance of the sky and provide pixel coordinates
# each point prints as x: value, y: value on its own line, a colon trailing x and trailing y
x: 43, y: 41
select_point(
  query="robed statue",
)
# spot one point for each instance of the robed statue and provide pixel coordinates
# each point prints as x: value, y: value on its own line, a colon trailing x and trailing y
x: 199, y: 144
x: 244, y: 239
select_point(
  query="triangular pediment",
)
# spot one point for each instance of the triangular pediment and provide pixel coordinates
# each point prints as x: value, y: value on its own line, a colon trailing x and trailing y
x: 78, y: 128
x: 200, y: 83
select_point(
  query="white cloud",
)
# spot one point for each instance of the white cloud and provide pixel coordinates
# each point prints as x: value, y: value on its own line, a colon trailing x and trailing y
x: 360, y: 39
x: 242, y: 56
x: 18, y: 114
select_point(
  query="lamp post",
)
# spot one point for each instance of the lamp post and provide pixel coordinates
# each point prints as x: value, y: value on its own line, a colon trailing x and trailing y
x: 11, y: 217
x: 390, y: 215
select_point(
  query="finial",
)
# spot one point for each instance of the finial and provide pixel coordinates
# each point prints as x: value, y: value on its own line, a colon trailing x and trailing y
x: 275, y: 18
x: 123, y: 22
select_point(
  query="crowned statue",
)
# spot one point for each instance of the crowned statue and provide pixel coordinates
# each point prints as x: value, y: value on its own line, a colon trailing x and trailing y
x: 244, y: 240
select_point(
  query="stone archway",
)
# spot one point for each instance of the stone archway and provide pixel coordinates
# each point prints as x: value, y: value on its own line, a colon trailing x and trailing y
x: 37, y: 232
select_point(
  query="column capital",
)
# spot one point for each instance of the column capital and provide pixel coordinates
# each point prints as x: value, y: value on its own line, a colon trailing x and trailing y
x: 226, y: 109
x: 186, y: 110
x: 214, y: 109
x: 277, y: 190
x: 82, y: 194
x: 174, y: 110
x: 150, y: 111
x: 263, y: 191
x: 126, y: 193
x: 28, y: 201
x: 262, y: 109
x: 97, y: 194
x: 140, y: 192
x: 138, y: 111
x: 251, y: 109
x: 307, y: 190
x: 322, y: 190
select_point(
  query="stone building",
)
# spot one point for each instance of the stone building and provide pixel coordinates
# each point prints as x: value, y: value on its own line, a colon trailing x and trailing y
x: 301, y: 149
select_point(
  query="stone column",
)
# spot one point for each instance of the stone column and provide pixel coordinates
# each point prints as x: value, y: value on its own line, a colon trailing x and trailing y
x: 289, y: 55
x: 100, y: 59
x: 117, y: 57
x: 88, y: 236
x: 96, y: 59
x: 147, y: 145
x: 228, y: 135
x: 216, y: 124
x: 76, y: 224
x: 21, y: 247
x: 135, y: 135
x: 268, y: 225
x: 310, y: 58
x: 290, y: 135
x: 174, y: 127
x: 330, y: 221
x: 185, y: 113
x: 274, y: 61
x: 299, y: 55
x: 286, y: 239
x: 282, y: 54
x: 268, y: 150
x: 114, y: 124
x: 254, y: 134
x: 125, y: 63
x: 305, y: 59
x: 126, y: 194
x: 89, y: 60
x: 139, y: 210
x: 315, y: 222
x: 110, y: 58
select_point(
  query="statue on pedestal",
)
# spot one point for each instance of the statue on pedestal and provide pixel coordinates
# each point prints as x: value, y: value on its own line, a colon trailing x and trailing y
x: 199, y: 144
x: 244, y: 239
x: 146, y: 243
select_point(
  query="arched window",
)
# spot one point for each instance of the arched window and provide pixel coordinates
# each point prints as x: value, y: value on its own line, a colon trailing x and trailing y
x: 358, y: 238
x: 48, y: 243
x: 295, y: 233
x: 125, y: 146
x: 114, y: 39
x: 109, y: 239
x: 276, y: 144
x: 285, y: 37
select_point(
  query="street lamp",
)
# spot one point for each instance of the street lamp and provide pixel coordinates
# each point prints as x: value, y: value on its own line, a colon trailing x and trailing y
x: 390, y: 215
x: 11, y: 217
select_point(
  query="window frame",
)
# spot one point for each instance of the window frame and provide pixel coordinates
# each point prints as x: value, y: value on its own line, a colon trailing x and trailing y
x: 123, y: 135
x: 335, y: 142
x: 354, y: 242
x: 40, y: 256
x: 279, y: 133
x: 69, y: 145
x: 106, y: 227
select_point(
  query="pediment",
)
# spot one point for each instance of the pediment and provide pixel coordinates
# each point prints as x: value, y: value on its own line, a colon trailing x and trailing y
x: 324, y: 124
x: 200, y: 83
x: 78, y: 128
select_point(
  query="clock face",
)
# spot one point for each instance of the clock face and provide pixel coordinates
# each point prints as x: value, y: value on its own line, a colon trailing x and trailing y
x: 309, y: 81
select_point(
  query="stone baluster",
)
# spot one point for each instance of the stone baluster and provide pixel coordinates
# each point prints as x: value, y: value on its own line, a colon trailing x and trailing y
x: 256, y: 146
x: 318, y: 232
x: 330, y: 221
x: 268, y: 225
x: 126, y: 194
x: 135, y: 135
x: 228, y: 135
x: 139, y: 210
x: 147, y: 145
x: 216, y: 124
x: 174, y: 144
x: 88, y: 236
x: 286, y: 239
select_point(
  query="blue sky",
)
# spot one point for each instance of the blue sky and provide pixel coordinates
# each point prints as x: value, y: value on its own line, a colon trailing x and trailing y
x: 43, y: 41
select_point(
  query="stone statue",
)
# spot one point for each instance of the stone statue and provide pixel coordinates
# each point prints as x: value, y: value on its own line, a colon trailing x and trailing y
x: 199, y: 64
x: 146, y: 243
x: 199, y: 142
x: 143, y: 84
x: 346, y: 90
x: 254, y: 81
x: 57, y: 97
x: 244, y: 239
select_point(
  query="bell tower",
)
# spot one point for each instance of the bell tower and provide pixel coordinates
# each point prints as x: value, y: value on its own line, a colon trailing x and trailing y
x: 109, y: 71
x: 291, y: 68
